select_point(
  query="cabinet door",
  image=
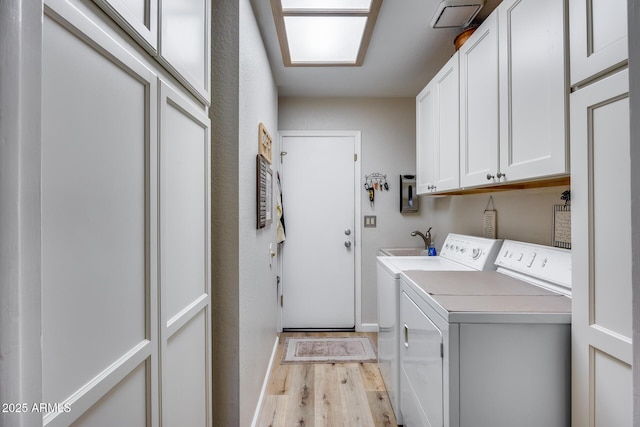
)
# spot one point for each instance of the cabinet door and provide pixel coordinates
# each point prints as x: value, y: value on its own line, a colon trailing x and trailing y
x: 425, y: 140
x: 447, y: 126
x: 139, y: 18
x: 185, y: 43
x: 185, y: 276
x: 533, y: 89
x: 601, y: 235
x: 479, y: 107
x: 99, y: 219
x: 598, y: 34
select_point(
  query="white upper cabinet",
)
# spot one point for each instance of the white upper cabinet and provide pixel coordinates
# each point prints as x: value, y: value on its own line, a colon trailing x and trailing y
x: 425, y: 140
x: 185, y: 42
x: 447, y: 126
x: 437, y: 131
x: 176, y: 32
x: 598, y: 33
x: 533, y: 89
x: 139, y: 18
x: 479, y: 107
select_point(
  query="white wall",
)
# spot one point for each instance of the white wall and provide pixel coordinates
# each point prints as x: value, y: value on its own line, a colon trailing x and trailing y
x: 634, y: 96
x: 20, y: 147
x: 243, y: 289
x: 525, y: 215
x: 388, y: 147
x: 258, y: 291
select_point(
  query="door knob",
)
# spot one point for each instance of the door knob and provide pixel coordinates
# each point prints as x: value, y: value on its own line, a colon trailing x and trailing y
x: 490, y: 177
x: 347, y: 244
x: 347, y: 232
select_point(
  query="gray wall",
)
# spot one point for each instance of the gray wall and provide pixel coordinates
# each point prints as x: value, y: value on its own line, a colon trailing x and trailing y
x: 243, y: 288
x: 525, y: 215
x: 258, y: 293
x: 634, y: 97
x: 388, y: 147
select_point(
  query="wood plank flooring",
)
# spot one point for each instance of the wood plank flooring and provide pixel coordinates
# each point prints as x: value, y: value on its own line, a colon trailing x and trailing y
x: 325, y: 395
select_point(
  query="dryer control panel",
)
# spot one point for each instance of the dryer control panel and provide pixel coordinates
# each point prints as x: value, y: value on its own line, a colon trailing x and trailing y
x: 539, y: 262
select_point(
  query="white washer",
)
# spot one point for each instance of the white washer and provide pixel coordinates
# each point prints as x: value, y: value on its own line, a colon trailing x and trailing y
x: 458, y: 253
x: 488, y: 348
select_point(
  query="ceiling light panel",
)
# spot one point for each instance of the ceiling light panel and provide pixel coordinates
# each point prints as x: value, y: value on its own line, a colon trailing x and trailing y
x: 335, y: 5
x: 315, y: 39
x: 324, y: 32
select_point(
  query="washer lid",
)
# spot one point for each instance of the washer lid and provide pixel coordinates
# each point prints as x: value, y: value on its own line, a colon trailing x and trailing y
x: 472, y: 283
x: 525, y: 304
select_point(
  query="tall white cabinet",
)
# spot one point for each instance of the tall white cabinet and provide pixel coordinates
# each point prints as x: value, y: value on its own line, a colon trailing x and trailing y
x: 602, y: 346
x: 125, y: 221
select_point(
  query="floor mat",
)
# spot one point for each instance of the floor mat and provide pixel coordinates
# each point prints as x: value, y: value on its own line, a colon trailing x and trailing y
x: 328, y: 350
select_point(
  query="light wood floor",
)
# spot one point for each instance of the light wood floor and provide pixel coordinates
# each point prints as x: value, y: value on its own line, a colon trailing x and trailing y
x: 325, y: 395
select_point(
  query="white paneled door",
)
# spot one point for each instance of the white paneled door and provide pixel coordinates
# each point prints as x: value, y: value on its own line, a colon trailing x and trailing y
x: 99, y: 333
x: 601, y: 197
x: 319, y: 175
x: 126, y: 329
x: 185, y: 326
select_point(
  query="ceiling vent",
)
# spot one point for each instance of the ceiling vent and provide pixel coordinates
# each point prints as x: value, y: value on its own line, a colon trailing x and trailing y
x: 456, y: 13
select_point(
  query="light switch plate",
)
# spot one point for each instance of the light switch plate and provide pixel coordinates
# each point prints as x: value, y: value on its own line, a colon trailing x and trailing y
x: 369, y: 221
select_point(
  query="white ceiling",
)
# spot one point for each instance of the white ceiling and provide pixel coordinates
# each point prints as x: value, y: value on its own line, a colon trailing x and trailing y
x: 404, y: 54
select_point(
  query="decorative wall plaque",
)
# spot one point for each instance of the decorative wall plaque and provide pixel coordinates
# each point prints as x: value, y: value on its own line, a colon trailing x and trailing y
x: 264, y: 142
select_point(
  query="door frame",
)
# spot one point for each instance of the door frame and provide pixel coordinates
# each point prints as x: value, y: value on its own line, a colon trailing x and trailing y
x: 357, y: 205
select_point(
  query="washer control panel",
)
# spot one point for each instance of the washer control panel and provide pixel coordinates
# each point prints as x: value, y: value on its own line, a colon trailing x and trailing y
x: 541, y: 262
x: 476, y: 252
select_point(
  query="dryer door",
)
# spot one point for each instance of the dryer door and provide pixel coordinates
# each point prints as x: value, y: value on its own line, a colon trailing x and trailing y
x: 421, y: 362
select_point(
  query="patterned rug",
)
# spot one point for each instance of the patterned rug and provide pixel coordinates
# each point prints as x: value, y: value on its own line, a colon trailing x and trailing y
x: 328, y: 350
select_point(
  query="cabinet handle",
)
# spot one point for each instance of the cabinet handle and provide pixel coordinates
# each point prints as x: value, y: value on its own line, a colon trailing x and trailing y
x: 406, y: 336
x: 501, y: 175
x: 490, y: 177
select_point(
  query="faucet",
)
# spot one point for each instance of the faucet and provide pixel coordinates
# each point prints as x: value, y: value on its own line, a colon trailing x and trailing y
x: 426, y: 237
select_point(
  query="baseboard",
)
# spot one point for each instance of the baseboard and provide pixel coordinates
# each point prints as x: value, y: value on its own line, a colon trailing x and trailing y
x: 265, y: 384
x: 369, y: 327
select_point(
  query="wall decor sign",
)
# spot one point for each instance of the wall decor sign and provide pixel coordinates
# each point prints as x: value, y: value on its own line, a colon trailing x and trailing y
x: 489, y: 220
x: 562, y: 222
x: 264, y: 143
x: 562, y: 226
x: 264, y: 190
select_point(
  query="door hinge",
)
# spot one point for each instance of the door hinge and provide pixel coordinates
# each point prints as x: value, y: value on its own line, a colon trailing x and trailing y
x: 441, y: 350
x: 281, y: 300
x: 355, y: 157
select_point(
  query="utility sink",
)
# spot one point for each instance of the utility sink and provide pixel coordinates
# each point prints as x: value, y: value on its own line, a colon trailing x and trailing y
x: 404, y: 252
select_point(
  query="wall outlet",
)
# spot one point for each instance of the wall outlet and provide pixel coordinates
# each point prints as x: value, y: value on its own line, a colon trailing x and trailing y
x: 369, y: 221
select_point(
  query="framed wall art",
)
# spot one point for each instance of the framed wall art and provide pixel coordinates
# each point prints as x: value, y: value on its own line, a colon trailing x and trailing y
x: 264, y: 191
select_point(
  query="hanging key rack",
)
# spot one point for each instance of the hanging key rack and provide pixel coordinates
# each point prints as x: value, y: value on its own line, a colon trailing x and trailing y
x: 375, y: 182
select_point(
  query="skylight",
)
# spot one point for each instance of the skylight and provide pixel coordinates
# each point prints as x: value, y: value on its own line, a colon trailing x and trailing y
x: 324, y: 32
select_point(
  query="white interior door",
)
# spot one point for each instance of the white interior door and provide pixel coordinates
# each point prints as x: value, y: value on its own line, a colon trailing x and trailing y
x: 602, y: 347
x: 318, y: 187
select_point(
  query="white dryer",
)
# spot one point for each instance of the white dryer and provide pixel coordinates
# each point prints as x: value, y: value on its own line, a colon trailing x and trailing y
x: 459, y: 253
x: 488, y: 348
